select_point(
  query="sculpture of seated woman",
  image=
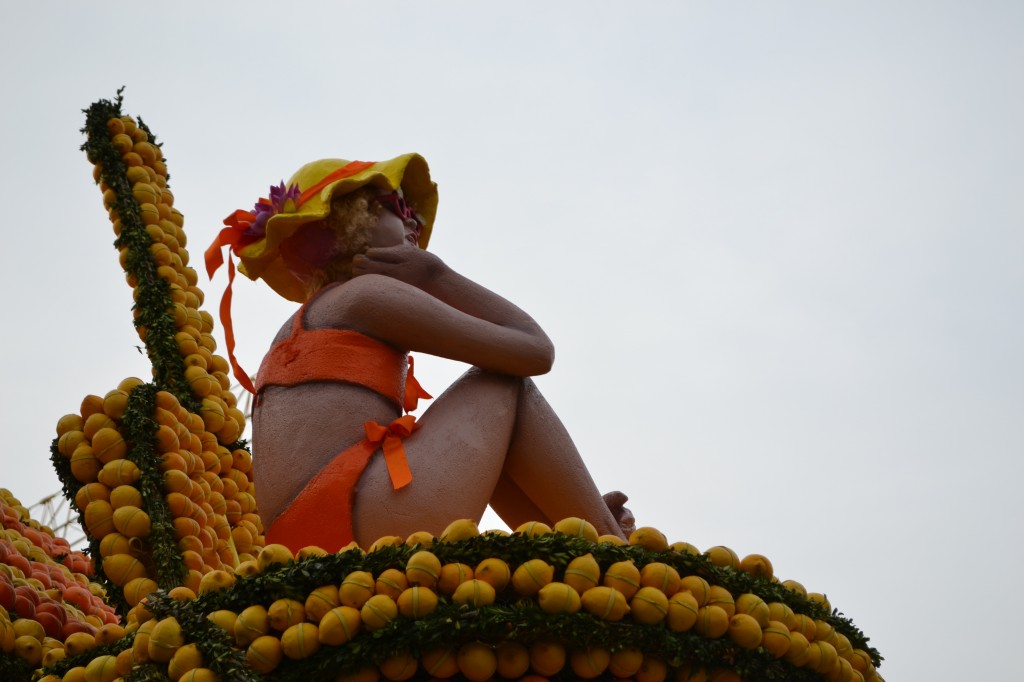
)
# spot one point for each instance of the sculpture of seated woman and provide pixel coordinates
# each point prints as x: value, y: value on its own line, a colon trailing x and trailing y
x: 334, y: 458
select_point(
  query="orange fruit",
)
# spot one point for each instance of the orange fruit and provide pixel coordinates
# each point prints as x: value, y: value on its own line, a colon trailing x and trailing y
x: 758, y: 566
x: 661, y: 576
x: 649, y: 538
x: 775, y: 638
x: 745, y: 631
x: 754, y: 606
x: 546, y: 657
x: 264, y: 654
x: 589, y: 663
x: 491, y: 570
x: 721, y: 597
x: 477, y: 661
x: 682, y: 611
x: 453, y: 575
x: 513, y: 660
x: 624, y: 663
x: 648, y: 606
x: 440, y: 663
x: 720, y: 555
x: 712, y: 622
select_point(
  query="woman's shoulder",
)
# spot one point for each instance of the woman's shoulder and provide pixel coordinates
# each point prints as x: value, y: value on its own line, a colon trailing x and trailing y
x: 343, y: 304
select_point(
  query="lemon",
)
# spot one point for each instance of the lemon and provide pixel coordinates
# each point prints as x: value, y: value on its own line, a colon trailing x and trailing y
x: 624, y: 576
x: 531, y: 576
x: 300, y: 641
x: 339, y: 625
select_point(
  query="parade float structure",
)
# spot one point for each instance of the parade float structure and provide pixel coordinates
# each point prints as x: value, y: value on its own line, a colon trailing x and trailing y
x: 178, y: 584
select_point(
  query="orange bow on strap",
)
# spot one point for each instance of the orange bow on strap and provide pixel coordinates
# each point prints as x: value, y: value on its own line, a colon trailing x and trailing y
x: 322, y: 513
x: 390, y: 440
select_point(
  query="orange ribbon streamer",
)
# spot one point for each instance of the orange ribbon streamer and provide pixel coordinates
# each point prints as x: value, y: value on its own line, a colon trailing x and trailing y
x: 390, y: 440
x: 234, y: 237
x: 413, y: 390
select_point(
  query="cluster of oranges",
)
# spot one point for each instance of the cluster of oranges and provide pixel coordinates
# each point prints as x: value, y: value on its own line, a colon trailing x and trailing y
x: 46, y: 597
x: 206, y: 487
x: 205, y: 372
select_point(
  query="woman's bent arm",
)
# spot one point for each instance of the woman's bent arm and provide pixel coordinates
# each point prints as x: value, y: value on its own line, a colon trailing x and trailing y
x: 408, y: 317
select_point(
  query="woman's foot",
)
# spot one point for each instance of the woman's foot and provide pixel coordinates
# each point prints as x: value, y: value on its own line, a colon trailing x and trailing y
x: 623, y: 516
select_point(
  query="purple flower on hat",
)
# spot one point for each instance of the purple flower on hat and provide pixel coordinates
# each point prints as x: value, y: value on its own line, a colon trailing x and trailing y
x: 282, y: 200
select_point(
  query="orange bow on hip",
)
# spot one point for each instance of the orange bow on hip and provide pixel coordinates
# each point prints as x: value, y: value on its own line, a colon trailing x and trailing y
x: 389, y: 438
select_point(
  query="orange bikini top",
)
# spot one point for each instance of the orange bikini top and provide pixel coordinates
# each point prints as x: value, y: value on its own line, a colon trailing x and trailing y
x: 344, y: 355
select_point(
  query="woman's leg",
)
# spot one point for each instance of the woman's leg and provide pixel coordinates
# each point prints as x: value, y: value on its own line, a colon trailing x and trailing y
x: 489, y: 436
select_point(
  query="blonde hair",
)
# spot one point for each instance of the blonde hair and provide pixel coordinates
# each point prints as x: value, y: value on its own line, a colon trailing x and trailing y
x: 353, y: 218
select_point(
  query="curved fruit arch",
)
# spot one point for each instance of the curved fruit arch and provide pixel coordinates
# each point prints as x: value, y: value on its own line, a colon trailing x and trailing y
x: 183, y: 587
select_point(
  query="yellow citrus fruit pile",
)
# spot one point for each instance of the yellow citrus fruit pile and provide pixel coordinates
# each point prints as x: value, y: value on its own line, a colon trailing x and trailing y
x: 46, y: 596
x: 587, y: 609
x: 146, y: 174
x: 163, y: 486
x: 206, y: 487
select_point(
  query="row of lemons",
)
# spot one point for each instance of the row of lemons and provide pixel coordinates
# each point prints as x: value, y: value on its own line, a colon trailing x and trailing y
x: 280, y: 630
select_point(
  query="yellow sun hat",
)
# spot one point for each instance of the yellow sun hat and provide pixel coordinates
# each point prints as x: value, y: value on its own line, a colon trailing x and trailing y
x: 255, y: 237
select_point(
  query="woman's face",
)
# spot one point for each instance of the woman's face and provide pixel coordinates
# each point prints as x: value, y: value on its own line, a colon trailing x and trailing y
x: 392, y: 230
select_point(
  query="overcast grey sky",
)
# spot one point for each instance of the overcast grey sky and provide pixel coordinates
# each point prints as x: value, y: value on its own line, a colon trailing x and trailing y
x: 777, y: 246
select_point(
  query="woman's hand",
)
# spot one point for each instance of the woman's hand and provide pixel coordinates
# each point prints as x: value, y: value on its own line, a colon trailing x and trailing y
x: 405, y: 262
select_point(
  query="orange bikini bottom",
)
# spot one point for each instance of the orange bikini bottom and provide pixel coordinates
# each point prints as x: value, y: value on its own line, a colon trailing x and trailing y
x: 321, y: 514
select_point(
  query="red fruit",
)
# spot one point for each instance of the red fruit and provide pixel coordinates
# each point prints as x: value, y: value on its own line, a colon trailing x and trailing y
x: 50, y: 623
x: 54, y: 608
x: 17, y: 561
x: 24, y: 607
x: 29, y: 592
x: 57, y: 576
x: 79, y: 596
x: 43, y: 577
x: 73, y: 626
x: 7, y: 593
